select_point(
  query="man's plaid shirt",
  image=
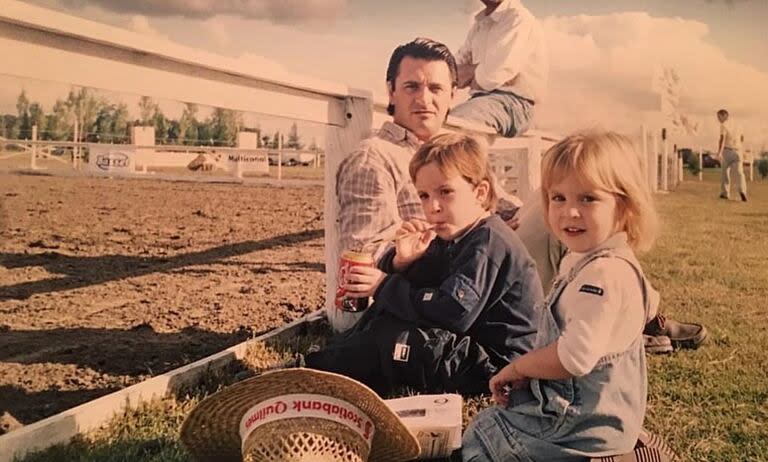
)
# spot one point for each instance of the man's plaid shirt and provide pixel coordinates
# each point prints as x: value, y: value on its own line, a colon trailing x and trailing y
x: 374, y: 190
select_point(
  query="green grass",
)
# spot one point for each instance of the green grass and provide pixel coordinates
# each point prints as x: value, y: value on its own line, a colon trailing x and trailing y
x: 710, y: 265
x: 150, y: 433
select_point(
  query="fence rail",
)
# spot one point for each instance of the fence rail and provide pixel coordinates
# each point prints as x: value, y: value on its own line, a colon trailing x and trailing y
x: 148, y: 158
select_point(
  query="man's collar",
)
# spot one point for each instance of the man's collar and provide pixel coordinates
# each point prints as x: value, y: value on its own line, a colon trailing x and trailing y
x: 400, y: 133
x: 503, y: 6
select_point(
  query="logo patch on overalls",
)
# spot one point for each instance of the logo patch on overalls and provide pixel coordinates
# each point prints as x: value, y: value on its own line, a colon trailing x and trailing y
x: 590, y: 289
x: 427, y: 297
x: 402, y: 352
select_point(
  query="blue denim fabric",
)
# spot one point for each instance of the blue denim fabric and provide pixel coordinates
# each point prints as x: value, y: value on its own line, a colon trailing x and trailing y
x: 488, y: 289
x: 505, y: 112
x: 464, y: 309
x: 599, y: 414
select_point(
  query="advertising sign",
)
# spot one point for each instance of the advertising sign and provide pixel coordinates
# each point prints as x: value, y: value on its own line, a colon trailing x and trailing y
x: 248, y: 161
x: 108, y: 158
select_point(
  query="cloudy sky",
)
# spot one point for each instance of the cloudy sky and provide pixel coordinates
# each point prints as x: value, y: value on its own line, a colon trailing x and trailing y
x: 603, y: 52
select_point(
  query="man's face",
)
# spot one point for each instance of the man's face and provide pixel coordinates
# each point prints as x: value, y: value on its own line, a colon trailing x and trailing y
x: 421, y: 95
x: 722, y: 117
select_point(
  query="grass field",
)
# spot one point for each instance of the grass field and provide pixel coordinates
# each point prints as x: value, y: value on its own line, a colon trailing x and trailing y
x: 710, y: 265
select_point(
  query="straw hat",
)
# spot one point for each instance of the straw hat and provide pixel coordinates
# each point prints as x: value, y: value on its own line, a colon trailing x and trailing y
x: 297, y: 415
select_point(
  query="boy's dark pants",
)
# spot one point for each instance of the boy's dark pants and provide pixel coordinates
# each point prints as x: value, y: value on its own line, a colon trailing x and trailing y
x: 429, y: 359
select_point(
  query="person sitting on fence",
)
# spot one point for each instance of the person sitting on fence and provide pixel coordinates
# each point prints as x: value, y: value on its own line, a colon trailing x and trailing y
x: 458, y: 295
x: 729, y: 151
x: 504, y: 63
x: 582, y: 391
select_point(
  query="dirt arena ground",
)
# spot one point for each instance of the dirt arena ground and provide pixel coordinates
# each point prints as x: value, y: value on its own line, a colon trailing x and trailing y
x: 106, y: 282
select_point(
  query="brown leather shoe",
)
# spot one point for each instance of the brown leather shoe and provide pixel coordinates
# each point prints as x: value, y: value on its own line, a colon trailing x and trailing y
x: 682, y: 335
x: 657, y: 344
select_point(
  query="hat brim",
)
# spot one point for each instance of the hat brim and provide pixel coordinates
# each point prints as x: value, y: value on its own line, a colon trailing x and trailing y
x: 211, y: 431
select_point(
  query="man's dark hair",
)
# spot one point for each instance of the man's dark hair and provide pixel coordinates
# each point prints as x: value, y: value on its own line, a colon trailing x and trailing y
x: 722, y: 112
x: 420, y: 48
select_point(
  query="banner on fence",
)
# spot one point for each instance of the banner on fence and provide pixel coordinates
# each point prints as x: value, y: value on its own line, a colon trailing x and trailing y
x: 111, y: 158
x: 248, y: 161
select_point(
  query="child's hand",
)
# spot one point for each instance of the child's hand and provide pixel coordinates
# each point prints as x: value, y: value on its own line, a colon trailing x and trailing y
x: 362, y: 281
x: 411, y: 241
x: 507, y: 378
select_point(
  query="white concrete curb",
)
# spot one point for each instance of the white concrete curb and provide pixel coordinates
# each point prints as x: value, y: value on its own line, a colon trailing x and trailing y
x: 62, y: 427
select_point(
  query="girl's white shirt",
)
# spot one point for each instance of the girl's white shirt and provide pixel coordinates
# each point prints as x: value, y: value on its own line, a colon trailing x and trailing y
x: 602, y: 309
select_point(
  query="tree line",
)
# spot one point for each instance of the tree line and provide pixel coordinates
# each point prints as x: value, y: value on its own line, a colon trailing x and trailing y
x: 100, y: 121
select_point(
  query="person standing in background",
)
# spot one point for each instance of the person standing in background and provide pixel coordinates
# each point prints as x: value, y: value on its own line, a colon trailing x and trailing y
x: 729, y: 153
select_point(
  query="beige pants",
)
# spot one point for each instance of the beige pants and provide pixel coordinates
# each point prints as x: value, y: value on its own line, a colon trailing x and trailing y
x: 545, y: 249
x: 732, y: 164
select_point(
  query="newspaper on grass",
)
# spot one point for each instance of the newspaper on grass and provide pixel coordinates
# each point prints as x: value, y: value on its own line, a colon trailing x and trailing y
x: 434, y: 419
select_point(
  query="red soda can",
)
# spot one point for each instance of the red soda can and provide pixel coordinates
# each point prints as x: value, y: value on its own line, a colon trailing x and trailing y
x: 350, y: 258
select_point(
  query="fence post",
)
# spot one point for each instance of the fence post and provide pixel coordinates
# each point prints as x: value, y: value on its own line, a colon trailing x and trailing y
x: 644, y: 161
x: 339, y: 142
x: 701, y: 164
x: 529, y: 169
x: 653, y: 162
x: 75, y: 148
x: 280, y: 157
x: 33, y: 158
x: 664, y: 163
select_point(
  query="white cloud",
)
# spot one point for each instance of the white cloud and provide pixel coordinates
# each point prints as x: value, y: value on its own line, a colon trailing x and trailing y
x: 601, y: 70
x: 140, y: 24
x: 218, y: 32
x: 601, y: 66
x: 281, y: 11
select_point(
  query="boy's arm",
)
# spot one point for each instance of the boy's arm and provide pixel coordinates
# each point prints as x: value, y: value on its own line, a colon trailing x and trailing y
x: 388, y: 262
x: 385, y: 261
x: 455, y: 304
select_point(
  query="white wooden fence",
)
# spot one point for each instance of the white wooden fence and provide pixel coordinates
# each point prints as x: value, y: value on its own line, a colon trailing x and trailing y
x: 71, y: 156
